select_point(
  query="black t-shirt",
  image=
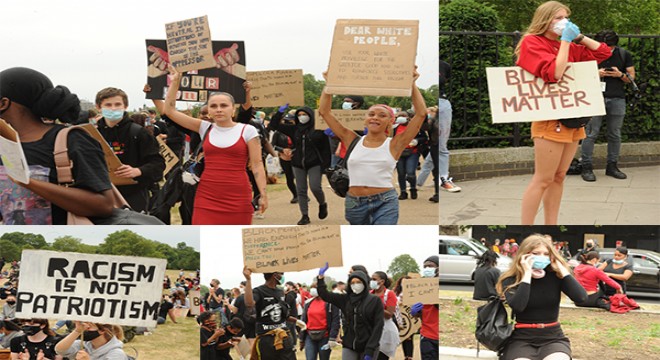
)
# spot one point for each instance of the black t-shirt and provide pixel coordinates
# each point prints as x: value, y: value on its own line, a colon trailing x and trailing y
x: 272, y: 311
x: 214, y: 304
x: 610, y: 269
x: 206, y: 352
x: 19, y: 344
x: 615, y: 87
x: 290, y: 299
x: 445, y: 73
x: 165, y: 306
x: 223, y: 354
x: 485, y: 278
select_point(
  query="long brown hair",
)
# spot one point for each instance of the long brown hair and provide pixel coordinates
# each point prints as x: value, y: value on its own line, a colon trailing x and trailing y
x: 543, y: 16
x: 527, y: 246
x: 111, y: 330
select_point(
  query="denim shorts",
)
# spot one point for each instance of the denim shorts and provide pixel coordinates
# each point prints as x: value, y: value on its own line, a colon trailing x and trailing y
x: 378, y: 209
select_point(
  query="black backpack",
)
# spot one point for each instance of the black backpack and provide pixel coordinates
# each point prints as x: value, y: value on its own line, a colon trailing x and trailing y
x: 493, y: 327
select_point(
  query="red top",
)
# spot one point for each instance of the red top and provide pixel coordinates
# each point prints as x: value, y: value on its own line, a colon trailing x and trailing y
x: 588, y: 276
x: 430, y: 325
x: 391, y: 298
x: 538, y: 55
x: 316, y: 316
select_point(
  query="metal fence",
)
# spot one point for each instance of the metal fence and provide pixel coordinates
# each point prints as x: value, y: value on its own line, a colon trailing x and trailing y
x: 496, y: 49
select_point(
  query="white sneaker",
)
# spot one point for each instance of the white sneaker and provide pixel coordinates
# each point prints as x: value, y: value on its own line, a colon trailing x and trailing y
x: 449, y: 185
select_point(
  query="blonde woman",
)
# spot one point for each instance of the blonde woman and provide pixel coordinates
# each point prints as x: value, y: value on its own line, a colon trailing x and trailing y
x: 101, y: 342
x: 532, y: 287
x: 544, y: 54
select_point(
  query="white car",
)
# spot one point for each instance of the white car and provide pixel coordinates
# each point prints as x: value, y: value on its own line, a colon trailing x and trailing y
x: 458, y: 258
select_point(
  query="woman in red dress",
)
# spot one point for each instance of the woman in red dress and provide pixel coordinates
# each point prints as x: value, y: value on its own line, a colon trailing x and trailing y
x: 224, y: 194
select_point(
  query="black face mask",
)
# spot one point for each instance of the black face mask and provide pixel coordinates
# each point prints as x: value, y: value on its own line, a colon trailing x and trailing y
x: 90, y: 335
x: 31, y: 329
x: 11, y: 302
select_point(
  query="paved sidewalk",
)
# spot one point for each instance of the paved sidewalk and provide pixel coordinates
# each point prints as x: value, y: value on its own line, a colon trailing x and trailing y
x: 608, y: 201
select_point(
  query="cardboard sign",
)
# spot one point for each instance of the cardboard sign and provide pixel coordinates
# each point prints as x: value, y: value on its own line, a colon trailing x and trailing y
x: 111, y: 159
x: 294, y: 248
x: 170, y: 157
x: 276, y: 87
x: 373, y: 57
x: 180, y: 313
x: 120, y: 290
x: 195, y: 300
x: 408, y: 325
x: 352, y: 119
x: 599, y: 239
x: 243, y: 348
x: 197, y: 85
x: 189, y: 44
x: 518, y: 96
x: 11, y: 154
x: 424, y: 290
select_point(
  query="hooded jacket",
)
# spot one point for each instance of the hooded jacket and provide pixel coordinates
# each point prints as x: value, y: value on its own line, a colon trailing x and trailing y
x: 362, y: 315
x: 112, y: 350
x: 312, y: 147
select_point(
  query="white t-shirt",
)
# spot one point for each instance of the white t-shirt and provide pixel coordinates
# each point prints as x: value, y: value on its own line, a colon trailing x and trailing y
x: 224, y: 137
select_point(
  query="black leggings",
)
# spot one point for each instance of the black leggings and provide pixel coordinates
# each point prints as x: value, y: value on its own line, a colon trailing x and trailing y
x: 597, y: 300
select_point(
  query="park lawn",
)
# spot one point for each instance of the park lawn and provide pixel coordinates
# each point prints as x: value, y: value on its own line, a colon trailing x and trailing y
x: 168, y: 341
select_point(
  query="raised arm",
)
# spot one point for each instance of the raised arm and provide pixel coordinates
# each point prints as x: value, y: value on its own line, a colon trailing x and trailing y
x: 249, y: 299
x: 169, y: 107
x: 345, y: 134
x: 402, y: 140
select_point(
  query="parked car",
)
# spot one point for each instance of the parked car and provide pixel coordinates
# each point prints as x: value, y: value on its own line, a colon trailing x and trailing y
x: 646, y: 269
x: 458, y: 258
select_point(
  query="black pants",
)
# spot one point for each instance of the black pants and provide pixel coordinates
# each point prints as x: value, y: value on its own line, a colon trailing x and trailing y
x: 408, y: 347
x: 267, y: 349
x: 429, y: 349
x: 290, y: 179
x: 597, y: 300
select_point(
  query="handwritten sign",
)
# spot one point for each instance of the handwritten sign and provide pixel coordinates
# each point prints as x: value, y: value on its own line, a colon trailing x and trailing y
x: 111, y: 160
x: 518, y: 96
x: 11, y: 154
x: 424, y: 290
x: 121, y: 290
x: 276, y: 87
x: 409, y: 325
x: 170, y: 157
x: 197, y: 85
x: 195, y: 301
x: 352, y: 119
x: 373, y: 57
x: 189, y: 44
x: 291, y: 248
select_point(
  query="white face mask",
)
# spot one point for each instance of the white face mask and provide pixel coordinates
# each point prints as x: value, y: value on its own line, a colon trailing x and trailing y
x: 304, y: 119
x: 428, y: 272
x: 401, y: 120
x: 313, y: 292
x: 347, y: 105
x: 559, y: 26
x: 373, y: 284
x: 357, y: 288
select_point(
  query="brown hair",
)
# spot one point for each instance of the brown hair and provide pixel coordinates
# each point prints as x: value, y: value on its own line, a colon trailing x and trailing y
x: 585, y: 258
x: 111, y: 330
x: 111, y: 92
x: 542, y: 18
x: 47, y: 330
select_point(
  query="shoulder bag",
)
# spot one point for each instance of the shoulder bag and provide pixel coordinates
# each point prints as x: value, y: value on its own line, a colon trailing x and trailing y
x: 493, y: 327
x: 338, y: 177
x: 575, y: 123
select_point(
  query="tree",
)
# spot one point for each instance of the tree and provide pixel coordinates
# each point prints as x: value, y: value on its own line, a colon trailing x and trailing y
x: 67, y: 243
x: 26, y: 240
x: 402, y: 265
x: 9, y: 250
x: 126, y: 242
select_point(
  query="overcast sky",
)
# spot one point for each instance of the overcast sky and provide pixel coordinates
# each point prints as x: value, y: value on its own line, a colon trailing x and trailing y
x: 87, y: 45
x: 372, y: 246
x: 94, y: 235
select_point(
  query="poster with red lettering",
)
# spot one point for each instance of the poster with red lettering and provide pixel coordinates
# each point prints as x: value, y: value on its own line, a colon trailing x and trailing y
x: 518, y: 96
x: 227, y: 76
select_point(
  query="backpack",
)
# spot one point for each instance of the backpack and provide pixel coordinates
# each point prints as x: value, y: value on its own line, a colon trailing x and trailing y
x: 493, y: 327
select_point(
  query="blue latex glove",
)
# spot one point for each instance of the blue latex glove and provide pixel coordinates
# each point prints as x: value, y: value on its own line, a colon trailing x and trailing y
x: 323, y: 269
x: 570, y: 32
x: 286, y: 106
x: 367, y: 357
x: 416, y: 309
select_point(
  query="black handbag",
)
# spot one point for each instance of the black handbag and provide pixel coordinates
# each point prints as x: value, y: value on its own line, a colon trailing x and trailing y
x: 493, y: 327
x: 575, y: 123
x: 316, y: 335
x: 338, y: 177
x: 194, y: 166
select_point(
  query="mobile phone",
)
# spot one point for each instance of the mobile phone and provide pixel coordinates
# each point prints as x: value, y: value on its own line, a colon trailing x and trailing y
x: 609, y: 69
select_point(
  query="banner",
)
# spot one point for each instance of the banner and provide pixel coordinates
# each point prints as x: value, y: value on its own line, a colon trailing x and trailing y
x: 196, y: 85
x: 294, y: 248
x: 189, y: 44
x: 109, y: 289
x: 111, y: 159
x: 195, y: 300
x: 598, y: 239
x: 352, y: 119
x: 518, y: 96
x: 273, y: 88
x: 373, y: 57
x: 170, y: 157
x: 424, y: 290
x: 409, y: 325
x: 11, y: 154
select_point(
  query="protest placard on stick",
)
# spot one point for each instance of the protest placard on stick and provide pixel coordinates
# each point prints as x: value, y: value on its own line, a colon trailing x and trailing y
x: 373, y: 57
x: 352, y: 119
x: 276, y: 87
x: 121, y: 290
x: 291, y: 248
x: 424, y: 290
x: 11, y: 154
x: 168, y: 155
x: 189, y: 44
x: 195, y: 298
x: 518, y: 96
x: 409, y: 325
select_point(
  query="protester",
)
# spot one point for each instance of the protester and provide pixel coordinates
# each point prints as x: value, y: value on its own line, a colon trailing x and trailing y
x: 428, y: 343
x: 589, y: 246
x: 444, y: 123
x: 9, y: 308
x: 101, y: 342
x: 588, y: 275
x: 181, y: 301
x: 532, y: 287
x: 506, y: 247
x: 619, y: 269
x: 407, y: 345
x: 514, y: 248
x: 223, y: 195
x: 26, y: 96
x: 540, y: 53
x: 165, y: 309
x: 389, y: 340
x: 36, y: 343
x: 371, y: 198
x: 209, y: 333
x: 215, y: 300
x: 322, y: 320
x: 486, y: 276
x: 431, y: 161
x: 229, y: 339
x: 291, y: 299
x: 409, y: 158
x: 240, y: 311
x: 8, y: 330
x: 614, y: 72
x: 281, y: 141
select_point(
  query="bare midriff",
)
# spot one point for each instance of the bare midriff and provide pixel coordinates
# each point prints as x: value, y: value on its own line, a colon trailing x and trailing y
x: 366, y: 190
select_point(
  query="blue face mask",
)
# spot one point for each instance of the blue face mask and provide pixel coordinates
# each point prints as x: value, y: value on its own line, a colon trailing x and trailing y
x: 540, y: 262
x: 618, y: 262
x: 347, y: 105
x: 112, y: 115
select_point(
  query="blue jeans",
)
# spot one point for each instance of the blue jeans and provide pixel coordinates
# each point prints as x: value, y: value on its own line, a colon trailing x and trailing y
x: 615, y: 112
x: 444, y: 115
x: 379, y: 209
x: 406, y: 168
x: 427, y: 167
x: 313, y: 348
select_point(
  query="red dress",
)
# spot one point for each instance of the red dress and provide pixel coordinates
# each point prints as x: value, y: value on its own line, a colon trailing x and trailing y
x: 224, y: 193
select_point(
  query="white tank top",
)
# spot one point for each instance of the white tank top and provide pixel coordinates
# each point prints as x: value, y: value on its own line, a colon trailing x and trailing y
x: 373, y: 167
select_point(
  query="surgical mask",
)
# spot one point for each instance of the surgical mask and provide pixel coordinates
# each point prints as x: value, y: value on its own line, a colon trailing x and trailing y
x: 559, y: 26
x: 112, y: 115
x: 11, y: 302
x: 618, y: 262
x: 428, y: 272
x: 347, y: 105
x: 313, y: 292
x: 90, y: 335
x: 357, y: 288
x: 304, y: 119
x: 258, y: 120
x: 401, y: 120
x: 540, y: 262
x: 373, y: 284
x: 31, y: 329
x: 280, y: 280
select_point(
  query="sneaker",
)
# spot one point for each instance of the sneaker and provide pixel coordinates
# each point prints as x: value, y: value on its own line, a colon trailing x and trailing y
x: 323, y: 211
x: 449, y: 185
x: 258, y: 215
x: 434, y: 198
x: 613, y: 171
x: 413, y: 194
x: 403, y: 195
x: 304, y: 220
x: 588, y: 173
x: 294, y: 200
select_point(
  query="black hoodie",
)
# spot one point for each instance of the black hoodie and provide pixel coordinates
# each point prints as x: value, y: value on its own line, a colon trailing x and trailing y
x: 312, y: 147
x: 362, y: 315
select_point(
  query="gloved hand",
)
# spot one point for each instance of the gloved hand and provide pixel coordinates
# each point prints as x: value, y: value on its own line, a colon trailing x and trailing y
x: 323, y: 269
x: 283, y: 108
x: 570, y: 32
x: 367, y: 357
x: 414, y: 142
x: 416, y: 309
